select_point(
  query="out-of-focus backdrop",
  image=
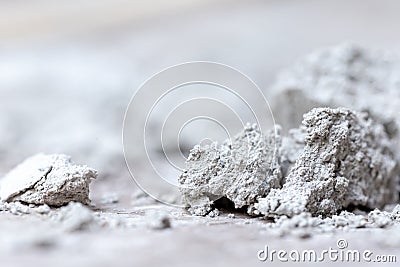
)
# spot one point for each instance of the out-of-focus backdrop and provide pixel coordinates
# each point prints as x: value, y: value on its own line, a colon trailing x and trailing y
x: 69, y: 68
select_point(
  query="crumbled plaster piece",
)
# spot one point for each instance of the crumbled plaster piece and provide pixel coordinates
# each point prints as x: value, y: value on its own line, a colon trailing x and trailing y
x: 346, y: 75
x: 346, y: 160
x: 384, y: 218
x: 75, y: 217
x: 43, y: 209
x: 347, y: 220
x: 47, y: 179
x: 242, y: 170
x: 380, y: 218
x: 395, y: 214
x: 302, y: 225
x: 18, y: 208
x: 158, y: 220
x: 15, y: 208
x: 375, y: 219
x: 213, y: 213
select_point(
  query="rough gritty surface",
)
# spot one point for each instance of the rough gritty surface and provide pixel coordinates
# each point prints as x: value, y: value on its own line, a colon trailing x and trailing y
x: 241, y: 170
x: 290, y: 150
x: 47, y: 179
x: 346, y: 161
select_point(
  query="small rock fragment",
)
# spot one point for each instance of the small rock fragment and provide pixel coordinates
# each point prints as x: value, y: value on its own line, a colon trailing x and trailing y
x: 158, y: 220
x: 213, y: 213
x: 75, y: 217
x: 43, y: 209
x: 347, y: 220
x: 380, y: 218
x: 301, y: 225
x: 395, y: 214
x: 16, y: 208
x: 346, y: 160
x: 242, y: 170
x: 47, y: 179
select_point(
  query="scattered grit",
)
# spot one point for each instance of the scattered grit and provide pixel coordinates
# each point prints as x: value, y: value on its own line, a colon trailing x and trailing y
x: 337, y: 160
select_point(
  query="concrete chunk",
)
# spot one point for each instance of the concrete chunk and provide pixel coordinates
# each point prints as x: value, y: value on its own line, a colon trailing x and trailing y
x: 47, y: 179
x: 242, y: 170
x: 346, y: 161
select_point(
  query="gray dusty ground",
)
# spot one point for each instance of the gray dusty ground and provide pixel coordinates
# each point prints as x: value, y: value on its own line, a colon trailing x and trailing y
x: 66, y: 92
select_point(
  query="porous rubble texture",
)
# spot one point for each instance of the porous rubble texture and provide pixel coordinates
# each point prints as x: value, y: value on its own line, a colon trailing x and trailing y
x: 241, y: 170
x: 290, y: 150
x: 346, y: 75
x: 346, y: 161
x: 47, y: 179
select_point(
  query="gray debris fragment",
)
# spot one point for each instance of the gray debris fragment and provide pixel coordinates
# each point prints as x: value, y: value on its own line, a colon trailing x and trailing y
x: 18, y: 208
x: 158, y: 220
x: 347, y: 220
x: 384, y: 218
x: 15, y: 208
x: 346, y: 160
x: 241, y: 170
x: 43, y: 209
x: 380, y: 218
x: 213, y: 213
x: 75, y: 217
x: 395, y: 214
x: 47, y: 179
x: 346, y: 75
x: 302, y: 225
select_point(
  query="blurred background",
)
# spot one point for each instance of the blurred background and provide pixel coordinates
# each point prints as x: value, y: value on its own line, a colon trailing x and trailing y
x: 69, y: 68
